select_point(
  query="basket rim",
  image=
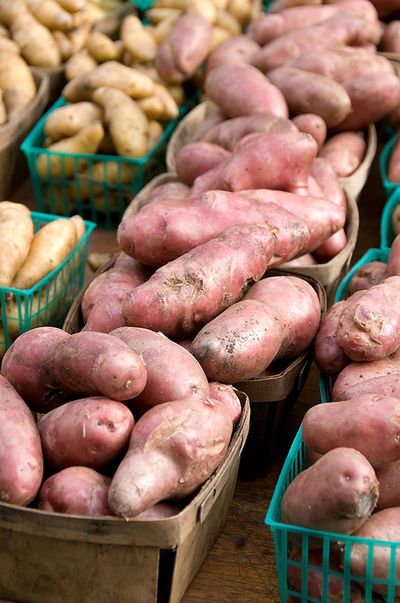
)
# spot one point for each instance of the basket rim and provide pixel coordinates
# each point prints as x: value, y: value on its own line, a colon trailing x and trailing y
x: 386, y: 218
x: 371, y: 255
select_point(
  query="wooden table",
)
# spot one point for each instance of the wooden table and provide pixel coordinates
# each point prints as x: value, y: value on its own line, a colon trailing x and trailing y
x: 241, y: 566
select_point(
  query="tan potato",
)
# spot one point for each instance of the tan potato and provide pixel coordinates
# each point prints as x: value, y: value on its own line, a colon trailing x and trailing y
x: 154, y: 134
x: 16, y: 233
x: 241, y: 10
x: 3, y: 111
x: 10, y: 9
x: 177, y: 92
x: 4, y: 32
x: 79, y: 225
x: 160, y: 106
x: 139, y: 42
x: 36, y: 43
x: 162, y: 29
x: 16, y: 82
x: 79, y: 64
x: 78, y: 36
x: 126, y: 121
x: 220, y: 35
x: 50, y: 14
x: 228, y: 22
x: 86, y: 141
x: 102, y: 48
x: 112, y: 172
x: 157, y: 15
x: 205, y: 8
x: 7, y: 45
x: 70, y: 119
x: 72, y: 6
x: 64, y: 45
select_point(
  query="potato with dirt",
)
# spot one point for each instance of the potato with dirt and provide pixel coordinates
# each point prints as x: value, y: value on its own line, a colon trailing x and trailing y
x: 309, y: 123
x: 195, y: 158
x: 369, y: 275
x: 328, y: 355
x: 344, y: 152
x: 225, y: 394
x: 236, y: 50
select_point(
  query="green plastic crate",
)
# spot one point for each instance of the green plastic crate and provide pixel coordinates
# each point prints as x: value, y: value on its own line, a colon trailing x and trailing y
x: 47, y: 302
x: 387, y: 234
x: 102, y: 202
x: 143, y: 4
x: 384, y: 158
x: 282, y: 533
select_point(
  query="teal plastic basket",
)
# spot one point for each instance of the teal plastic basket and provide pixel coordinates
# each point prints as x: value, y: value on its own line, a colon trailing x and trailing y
x: 47, y: 302
x: 102, y: 200
x: 387, y: 234
x: 143, y: 4
x: 384, y: 158
x: 372, y: 255
x: 283, y: 533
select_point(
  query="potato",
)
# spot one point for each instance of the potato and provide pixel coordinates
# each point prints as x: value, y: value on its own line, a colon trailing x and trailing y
x: 241, y: 10
x: 184, y: 48
x: 90, y: 432
x: 10, y: 9
x: 3, y: 111
x: 228, y: 22
x: 16, y: 234
x: 309, y: 92
x: 345, y: 152
x: 72, y: 6
x: 331, y: 248
x: 21, y: 467
x: 79, y: 64
x: 237, y: 100
x: 309, y: 123
x: 303, y: 260
x: 219, y: 36
x: 154, y: 133
x: 165, y: 382
x: 367, y: 276
x: 161, y: 510
x: 35, y: 41
x: 326, y: 178
x: 98, y: 364
x: 7, y: 45
x: 158, y: 15
x: 161, y: 105
x: 50, y: 14
x: 17, y: 84
x: 164, y: 459
x: 394, y: 162
x: 86, y: 141
x: 393, y: 265
x: 390, y: 41
x: 328, y: 355
x: 369, y: 327
x: 194, y: 286
x: 137, y: 40
x: 367, y: 423
x: 126, y: 121
x: 238, y: 49
x: 76, y: 491
x: 352, y: 493
x: 78, y: 36
x: 64, y: 45
x: 70, y: 119
x: 102, y: 48
x: 162, y: 29
x: 225, y: 394
x: 195, y: 158
x: 205, y: 8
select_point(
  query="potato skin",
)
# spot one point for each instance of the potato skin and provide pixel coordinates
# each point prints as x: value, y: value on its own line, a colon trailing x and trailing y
x: 367, y: 423
x: 313, y: 124
x: 328, y: 355
x: 393, y: 265
x: 166, y: 380
x: 21, y: 459
x: 89, y: 432
x: 325, y: 176
x: 99, y: 364
x: 195, y: 158
x: 76, y: 491
x: 225, y: 394
x: 344, y: 152
x: 369, y: 275
x: 336, y: 494
x: 391, y: 37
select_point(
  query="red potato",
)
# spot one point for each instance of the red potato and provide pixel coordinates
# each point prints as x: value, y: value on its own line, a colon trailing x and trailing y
x: 173, y: 449
x: 167, y: 379
x: 235, y: 50
x: 98, y: 364
x: 195, y: 158
x: 372, y: 97
x: 340, y: 30
x: 310, y: 92
x: 90, y: 432
x: 184, y: 48
x: 391, y: 37
x: 202, y: 283
x: 367, y: 423
x: 314, y: 188
x: 21, y: 459
x: 389, y: 486
x: 369, y: 327
x: 393, y: 265
x: 344, y: 152
x: 277, y: 161
x: 76, y: 491
x: 336, y: 494
x: 254, y: 95
x: 325, y: 176
x: 385, y: 385
x: 209, y: 181
x: 225, y: 394
x: 28, y: 366
x: 383, y: 525
x: 367, y: 276
x: 239, y: 343
x: 394, y: 162
x: 309, y: 123
x: 330, y: 249
x: 328, y: 355
x: 296, y: 304
x: 230, y: 132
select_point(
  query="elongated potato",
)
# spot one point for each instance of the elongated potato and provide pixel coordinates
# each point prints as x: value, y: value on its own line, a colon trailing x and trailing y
x: 391, y: 37
x: 72, y: 6
x: 367, y: 423
x: 70, y: 119
x: 225, y: 394
x: 102, y: 48
x: 7, y: 45
x: 239, y: 49
x: 309, y: 123
x: 160, y: 105
x: 64, y: 45
x: 21, y: 466
x: 328, y: 355
x: 36, y: 43
x: 137, y: 40
x: 195, y: 158
x: 367, y: 276
x: 16, y: 234
x: 325, y: 176
x: 50, y: 14
x: 10, y: 9
x: 76, y: 491
x: 79, y: 64
x: 126, y: 121
x: 344, y: 152
x: 16, y: 82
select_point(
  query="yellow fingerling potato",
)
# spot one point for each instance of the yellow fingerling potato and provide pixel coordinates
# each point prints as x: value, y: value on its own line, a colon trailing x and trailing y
x: 161, y: 105
x: 79, y: 64
x: 16, y: 82
x: 137, y: 40
x: 50, y: 14
x: 69, y: 120
x: 37, y: 45
x: 102, y: 48
x: 16, y: 234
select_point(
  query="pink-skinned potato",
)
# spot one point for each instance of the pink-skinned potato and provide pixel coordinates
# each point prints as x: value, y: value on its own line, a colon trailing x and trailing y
x: 394, y: 162
x: 313, y: 124
x: 391, y: 37
x: 384, y: 385
x: 229, y: 357
x: 225, y: 394
x: 303, y: 260
x: 328, y: 355
x: 372, y: 273
x: 231, y: 131
x: 202, y: 283
x: 76, y: 491
x: 90, y: 432
x: 184, y: 49
x: 314, y: 188
x: 393, y: 265
x: 174, y: 448
x: 344, y: 152
x: 367, y: 423
x: 21, y: 459
x: 254, y: 95
x: 336, y: 494
x: 369, y: 327
x: 311, y: 92
x: 296, y: 304
x: 98, y: 364
x: 389, y: 486
x: 236, y: 50
x: 28, y: 366
x: 209, y: 181
x: 162, y: 232
x: 327, y: 180
x: 172, y: 372
x: 195, y: 158
x: 330, y: 249
x: 383, y: 525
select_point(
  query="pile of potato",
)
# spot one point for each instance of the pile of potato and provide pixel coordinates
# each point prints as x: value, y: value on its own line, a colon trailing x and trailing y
x: 17, y: 84
x: 26, y: 258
